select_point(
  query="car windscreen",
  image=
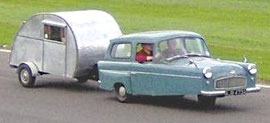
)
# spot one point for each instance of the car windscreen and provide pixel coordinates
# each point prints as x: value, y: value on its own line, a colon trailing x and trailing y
x: 183, y: 47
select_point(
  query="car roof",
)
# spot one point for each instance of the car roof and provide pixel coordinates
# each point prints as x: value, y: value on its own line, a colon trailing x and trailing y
x: 155, y: 36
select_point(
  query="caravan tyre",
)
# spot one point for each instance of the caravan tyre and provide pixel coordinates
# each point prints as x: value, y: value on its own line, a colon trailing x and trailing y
x: 25, y: 76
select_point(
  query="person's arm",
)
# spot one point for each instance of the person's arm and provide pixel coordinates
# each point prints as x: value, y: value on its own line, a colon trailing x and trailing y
x: 141, y: 58
x: 149, y: 58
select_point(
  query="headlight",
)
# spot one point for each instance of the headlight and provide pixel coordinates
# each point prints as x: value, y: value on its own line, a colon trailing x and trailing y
x: 252, y: 69
x: 207, y: 72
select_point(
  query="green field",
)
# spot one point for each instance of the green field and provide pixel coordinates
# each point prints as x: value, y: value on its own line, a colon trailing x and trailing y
x: 231, y: 27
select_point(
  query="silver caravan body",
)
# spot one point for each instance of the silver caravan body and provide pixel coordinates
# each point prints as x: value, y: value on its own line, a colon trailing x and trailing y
x: 87, y: 36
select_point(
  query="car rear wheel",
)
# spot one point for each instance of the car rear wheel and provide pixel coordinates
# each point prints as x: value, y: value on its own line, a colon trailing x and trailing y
x: 206, y: 100
x: 121, y: 93
x: 25, y: 76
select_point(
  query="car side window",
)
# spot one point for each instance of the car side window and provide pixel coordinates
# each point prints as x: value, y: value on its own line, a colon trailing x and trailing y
x: 144, y: 52
x: 121, y: 50
x: 54, y: 33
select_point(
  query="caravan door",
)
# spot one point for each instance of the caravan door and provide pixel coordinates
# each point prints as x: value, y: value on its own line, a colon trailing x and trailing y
x: 54, y: 49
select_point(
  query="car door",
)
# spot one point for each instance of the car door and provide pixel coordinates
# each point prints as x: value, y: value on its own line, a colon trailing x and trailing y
x: 142, y: 79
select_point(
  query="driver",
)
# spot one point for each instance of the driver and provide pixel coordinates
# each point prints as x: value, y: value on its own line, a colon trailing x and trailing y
x: 145, y: 54
x: 171, y: 50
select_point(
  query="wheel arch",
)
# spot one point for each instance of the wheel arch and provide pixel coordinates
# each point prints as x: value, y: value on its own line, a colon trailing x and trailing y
x: 32, y: 66
x: 125, y: 84
x: 108, y: 79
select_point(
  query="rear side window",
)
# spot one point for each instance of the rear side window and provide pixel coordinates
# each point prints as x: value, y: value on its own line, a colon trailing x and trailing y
x: 121, y: 50
x: 54, y: 33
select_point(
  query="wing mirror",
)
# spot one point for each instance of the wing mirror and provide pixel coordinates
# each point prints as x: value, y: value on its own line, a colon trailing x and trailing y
x: 245, y: 59
x: 192, y: 62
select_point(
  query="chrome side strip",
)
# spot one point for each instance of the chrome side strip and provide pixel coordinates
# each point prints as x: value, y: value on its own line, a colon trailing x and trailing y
x: 115, y: 71
x: 149, y: 73
x: 115, y: 62
x: 161, y: 74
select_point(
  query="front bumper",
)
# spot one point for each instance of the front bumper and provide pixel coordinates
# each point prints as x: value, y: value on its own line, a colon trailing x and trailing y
x: 223, y: 93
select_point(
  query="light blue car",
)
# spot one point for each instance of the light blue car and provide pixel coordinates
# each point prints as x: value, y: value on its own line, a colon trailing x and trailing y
x: 181, y: 65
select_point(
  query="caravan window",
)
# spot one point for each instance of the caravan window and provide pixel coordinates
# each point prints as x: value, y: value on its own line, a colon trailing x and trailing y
x: 54, y: 33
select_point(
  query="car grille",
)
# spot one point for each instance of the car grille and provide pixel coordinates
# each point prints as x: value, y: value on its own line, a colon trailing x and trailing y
x: 232, y: 82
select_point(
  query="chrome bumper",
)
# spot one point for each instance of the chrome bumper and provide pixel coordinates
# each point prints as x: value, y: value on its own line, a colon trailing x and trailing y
x: 252, y: 90
x: 223, y: 93
x: 213, y: 93
x: 99, y: 82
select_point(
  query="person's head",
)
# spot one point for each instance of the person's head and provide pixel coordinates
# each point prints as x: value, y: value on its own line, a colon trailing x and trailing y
x: 171, y: 44
x: 147, y: 47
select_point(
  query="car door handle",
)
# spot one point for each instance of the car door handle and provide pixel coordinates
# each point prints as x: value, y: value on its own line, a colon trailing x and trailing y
x: 132, y: 73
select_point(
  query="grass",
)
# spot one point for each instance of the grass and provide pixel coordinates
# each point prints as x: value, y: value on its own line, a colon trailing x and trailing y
x: 233, y: 28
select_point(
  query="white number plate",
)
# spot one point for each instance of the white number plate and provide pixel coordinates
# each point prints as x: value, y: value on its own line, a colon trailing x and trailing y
x: 236, y: 92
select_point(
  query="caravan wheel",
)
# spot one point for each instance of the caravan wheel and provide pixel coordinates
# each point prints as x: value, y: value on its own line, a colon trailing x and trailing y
x: 25, y: 76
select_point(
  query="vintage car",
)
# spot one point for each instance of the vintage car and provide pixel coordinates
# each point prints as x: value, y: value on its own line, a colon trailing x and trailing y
x: 181, y: 65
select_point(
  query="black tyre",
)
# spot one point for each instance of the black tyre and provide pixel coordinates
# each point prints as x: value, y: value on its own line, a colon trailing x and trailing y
x: 181, y: 96
x: 82, y: 80
x: 25, y: 76
x: 121, y: 93
x: 206, y: 101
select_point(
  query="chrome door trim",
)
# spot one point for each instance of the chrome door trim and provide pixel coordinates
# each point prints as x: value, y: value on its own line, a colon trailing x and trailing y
x: 171, y: 75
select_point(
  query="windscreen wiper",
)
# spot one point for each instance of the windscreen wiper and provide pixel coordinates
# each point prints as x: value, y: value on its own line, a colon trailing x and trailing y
x: 175, y: 57
x: 197, y: 54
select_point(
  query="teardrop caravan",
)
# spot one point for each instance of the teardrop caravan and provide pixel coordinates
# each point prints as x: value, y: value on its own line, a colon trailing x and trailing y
x: 67, y: 44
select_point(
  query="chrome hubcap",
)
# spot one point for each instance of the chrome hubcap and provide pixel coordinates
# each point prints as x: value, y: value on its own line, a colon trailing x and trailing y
x: 24, y: 76
x: 122, y: 91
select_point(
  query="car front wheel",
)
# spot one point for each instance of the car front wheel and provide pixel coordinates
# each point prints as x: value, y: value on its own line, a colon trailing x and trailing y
x: 207, y: 101
x: 25, y: 76
x: 82, y: 80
